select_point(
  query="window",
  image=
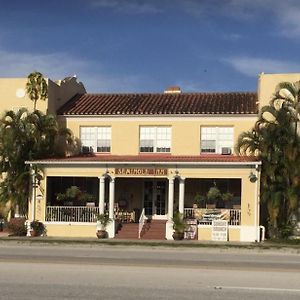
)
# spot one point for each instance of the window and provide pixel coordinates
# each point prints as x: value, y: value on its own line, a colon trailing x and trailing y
x: 155, y: 139
x: 213, y: 139
x: 96, y: 138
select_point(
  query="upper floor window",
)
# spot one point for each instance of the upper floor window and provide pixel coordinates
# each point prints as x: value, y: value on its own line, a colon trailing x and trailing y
x: 216, y: 140
x: 96, y: 138
x: 155, y: 139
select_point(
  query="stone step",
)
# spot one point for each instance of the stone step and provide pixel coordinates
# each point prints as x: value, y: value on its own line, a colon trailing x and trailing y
x: 154, y: 230
x: 128, y: 231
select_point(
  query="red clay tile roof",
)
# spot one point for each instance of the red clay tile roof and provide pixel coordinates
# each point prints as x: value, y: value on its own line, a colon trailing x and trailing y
x: 161, y: 104
x: 148, y: 158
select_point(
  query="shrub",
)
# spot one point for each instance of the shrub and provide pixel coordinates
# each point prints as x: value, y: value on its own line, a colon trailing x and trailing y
x: 17, y: 227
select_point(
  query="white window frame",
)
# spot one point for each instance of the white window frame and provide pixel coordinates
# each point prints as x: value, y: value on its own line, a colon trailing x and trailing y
x: 157, y: 137
x: 96, y: 135
x: 216, y: 138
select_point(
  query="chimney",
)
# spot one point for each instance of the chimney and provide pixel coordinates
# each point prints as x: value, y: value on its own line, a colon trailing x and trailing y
x: 172, y: 90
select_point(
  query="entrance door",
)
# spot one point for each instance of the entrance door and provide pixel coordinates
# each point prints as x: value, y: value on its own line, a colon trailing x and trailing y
x: 155, y: 198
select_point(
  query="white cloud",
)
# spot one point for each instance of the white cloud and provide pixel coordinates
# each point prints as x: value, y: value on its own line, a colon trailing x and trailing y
x: 285, y: 15
x: 252, y: 66
x: 134, y: 7
x: 59, y: 65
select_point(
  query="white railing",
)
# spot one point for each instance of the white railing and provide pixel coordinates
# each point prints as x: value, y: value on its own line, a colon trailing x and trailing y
x: 233, y: 215
x: 71, y: 214
x: 189, y: 213
x: 141, y: 222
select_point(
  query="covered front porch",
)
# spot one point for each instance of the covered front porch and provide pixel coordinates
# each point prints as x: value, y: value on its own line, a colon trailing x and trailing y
x: 139, y: 194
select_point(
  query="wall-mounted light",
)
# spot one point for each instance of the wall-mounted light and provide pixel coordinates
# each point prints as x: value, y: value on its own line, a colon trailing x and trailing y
x: 252, y: 177
x: 39, y: 197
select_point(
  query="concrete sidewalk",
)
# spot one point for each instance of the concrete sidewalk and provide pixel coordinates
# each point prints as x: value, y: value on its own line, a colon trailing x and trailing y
x: 267, y: 245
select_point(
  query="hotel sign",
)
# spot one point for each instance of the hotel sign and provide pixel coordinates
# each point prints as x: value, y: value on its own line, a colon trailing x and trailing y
x: 141, y: 172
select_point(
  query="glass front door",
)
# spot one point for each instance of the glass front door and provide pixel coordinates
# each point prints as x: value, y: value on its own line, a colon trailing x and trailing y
x: 155, y: 198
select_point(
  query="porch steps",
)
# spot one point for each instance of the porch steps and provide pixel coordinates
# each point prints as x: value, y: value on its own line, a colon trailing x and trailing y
x: 154, y: 230
x: 128, y: 231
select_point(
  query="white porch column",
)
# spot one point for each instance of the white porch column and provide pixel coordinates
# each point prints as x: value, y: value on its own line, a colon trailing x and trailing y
x: 33, y: 194
x: 101, y: 194
x: 33, y: 197
x: 111, y: 197
x: 169, y: 224
x: 171, y: 199
x: 181, y: 194
x: 111, y: 225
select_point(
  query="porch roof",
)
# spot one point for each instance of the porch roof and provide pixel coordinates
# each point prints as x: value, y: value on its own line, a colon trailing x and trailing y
x: 206, y: 159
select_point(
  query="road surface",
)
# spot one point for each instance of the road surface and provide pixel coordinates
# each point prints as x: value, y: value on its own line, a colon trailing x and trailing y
x: 121, y: 272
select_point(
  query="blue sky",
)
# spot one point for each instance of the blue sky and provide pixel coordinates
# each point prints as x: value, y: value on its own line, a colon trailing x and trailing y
x: 145, y: 46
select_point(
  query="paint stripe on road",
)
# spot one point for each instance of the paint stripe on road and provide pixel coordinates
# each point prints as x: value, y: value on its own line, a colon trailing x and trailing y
x: 256, y: 289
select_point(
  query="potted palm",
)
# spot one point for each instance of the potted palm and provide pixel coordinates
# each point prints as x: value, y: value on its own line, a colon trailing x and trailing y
x: 102, y: 221
x: 178, y: 226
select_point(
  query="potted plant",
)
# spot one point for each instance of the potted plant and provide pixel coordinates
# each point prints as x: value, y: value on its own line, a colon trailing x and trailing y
x: 199, y: 201
x: 213, y: 195
x: 227, y: 196
x: 73, y: 195
x: 178, y: 226
x: 102, y: 221
x: 37, y: 228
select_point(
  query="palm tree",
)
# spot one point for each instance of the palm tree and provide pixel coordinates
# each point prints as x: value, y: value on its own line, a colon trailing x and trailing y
x: 275, y: 141
x: 25, y: 136
x: 287, y: 94
x: 36, y: 87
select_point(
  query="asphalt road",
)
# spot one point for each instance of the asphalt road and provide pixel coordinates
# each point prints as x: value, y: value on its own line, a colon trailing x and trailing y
x: 106, y: 272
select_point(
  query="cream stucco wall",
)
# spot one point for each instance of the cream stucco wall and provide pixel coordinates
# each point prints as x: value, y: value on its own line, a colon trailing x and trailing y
x: 8, y: 98
x: 268, y: 82
x: 58, y: 93
x: 71, y: 230
x: 185, y: 138
x: 205, y: 233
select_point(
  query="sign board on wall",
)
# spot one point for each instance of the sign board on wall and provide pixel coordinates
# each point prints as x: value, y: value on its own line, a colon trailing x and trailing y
x: 141, y: 172
x: 219, y: 230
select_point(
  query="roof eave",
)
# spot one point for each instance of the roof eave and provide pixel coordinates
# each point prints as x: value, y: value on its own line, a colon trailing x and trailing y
x: 74, y: 162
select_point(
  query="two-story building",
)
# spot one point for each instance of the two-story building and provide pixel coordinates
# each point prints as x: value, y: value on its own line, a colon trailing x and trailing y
x: 148, y: 155
x: 145, y: 156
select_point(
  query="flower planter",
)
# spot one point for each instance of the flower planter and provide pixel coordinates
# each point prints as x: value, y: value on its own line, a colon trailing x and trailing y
x: 101, y: 234
x: 34, y: 233
x: 178, y: 236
